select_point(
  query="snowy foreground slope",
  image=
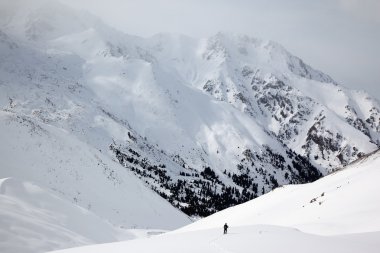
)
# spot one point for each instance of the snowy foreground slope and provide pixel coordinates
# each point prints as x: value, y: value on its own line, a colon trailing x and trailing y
x: 259, y: 238
x: 338, y: 213
x: 346, y: 201
x: 34, y: 219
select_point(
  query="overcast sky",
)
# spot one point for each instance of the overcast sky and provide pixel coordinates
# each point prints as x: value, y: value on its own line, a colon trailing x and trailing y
x: 339, y: 37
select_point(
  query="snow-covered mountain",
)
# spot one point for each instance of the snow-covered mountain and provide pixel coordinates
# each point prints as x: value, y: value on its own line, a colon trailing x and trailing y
x: 338, y: 213
x: 206, y: 123
x: 35, y: 219
x: 344, y: 202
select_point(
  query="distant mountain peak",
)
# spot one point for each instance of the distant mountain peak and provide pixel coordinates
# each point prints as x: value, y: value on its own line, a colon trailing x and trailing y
x: 206, y: 123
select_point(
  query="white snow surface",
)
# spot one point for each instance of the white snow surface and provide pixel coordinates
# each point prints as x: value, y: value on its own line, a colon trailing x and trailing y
x: 90, y: 200
x: 343, y: 202
x: 343, y: 218
x: 34, y: 219
x: 71, y: 86
x: 259, y: 238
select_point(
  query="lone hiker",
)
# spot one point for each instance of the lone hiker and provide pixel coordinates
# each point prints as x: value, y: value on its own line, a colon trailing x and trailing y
x: 225, y: 228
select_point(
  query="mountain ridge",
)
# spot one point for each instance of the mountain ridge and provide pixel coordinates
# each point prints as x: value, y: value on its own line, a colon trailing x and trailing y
x: 227, y: 117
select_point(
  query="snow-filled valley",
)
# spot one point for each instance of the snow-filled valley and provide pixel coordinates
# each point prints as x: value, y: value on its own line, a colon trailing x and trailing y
x: 106, y: 136
x: 338, y: 213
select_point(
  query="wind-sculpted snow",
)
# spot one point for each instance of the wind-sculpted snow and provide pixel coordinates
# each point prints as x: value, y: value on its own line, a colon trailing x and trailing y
x: 206, y: 123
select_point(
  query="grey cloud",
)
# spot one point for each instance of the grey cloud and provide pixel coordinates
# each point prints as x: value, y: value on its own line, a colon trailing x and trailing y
x: 366, y: 9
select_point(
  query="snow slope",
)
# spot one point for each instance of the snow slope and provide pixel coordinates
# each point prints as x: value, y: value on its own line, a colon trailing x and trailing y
x: 344, y: 202
x: 103, y: 119
x: 338, y: 213
x: 259, y: 238
x: 35, y: 219
x: 81, y: 174
x: 206, y: 123
x: 79, y: 177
